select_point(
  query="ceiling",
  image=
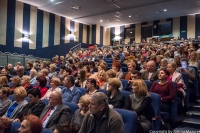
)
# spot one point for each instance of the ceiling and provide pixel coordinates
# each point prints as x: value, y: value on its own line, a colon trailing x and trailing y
x: 117, y: 12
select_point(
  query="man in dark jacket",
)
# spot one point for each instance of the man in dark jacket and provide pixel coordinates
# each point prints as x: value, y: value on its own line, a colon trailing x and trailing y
x: 100, y: 118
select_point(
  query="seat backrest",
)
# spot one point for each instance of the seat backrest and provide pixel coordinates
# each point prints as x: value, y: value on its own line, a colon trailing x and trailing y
x: 27, y: 99
x: 124, y: 83
x: 45, y: 101
x: 48, y: 86
x: 11, y: 97
x: 129, y: 119
x: 61, y: 87
x: 44, y: 130
x: 15, y: 127
x: 27, y: 73
x: 155, y: 102
x: 126, y: 93
x: 10, y: 84
x: 72, y: 106
x: 83, y: 91
x: 102, y: 90
x: 125, y: 69
x: 148, y: 84
x: 185, y: 79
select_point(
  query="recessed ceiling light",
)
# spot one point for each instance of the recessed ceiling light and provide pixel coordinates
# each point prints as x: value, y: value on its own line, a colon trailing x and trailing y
x: 52, y: 0
x: 129, y: 16
x: 165, y: 10
x: 131, y: 32
x: 76, y: 7
x: 101, y: 20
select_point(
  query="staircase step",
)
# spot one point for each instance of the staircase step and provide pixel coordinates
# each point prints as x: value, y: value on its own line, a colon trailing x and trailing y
x: 192, y: 121
x: 184, y: 129
x: 193, y: 113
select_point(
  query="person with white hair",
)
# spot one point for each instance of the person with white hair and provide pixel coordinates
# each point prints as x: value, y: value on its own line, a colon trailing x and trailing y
x: 163, y: 64
x: 33, y: 75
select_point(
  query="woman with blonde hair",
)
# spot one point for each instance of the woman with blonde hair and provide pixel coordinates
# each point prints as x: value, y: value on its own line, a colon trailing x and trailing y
x: 17, y: 105
x: 194, y: 60
x: 140, y: 102
x: 80, y: 113
x: 55, y: 82
x: 102, y: 79
x: 53, y: 72
x: 25, y: 82
x: 16, y: 82
x: 33, y: 75
x: 3, y: 81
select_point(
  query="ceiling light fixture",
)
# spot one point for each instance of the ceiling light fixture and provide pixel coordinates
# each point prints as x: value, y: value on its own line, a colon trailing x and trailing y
x: 58, y: 3
x: 129, y: 16
x: 101, y: 20
x: 76, y: 7
x: 52, y: 0
x: 165, y: 10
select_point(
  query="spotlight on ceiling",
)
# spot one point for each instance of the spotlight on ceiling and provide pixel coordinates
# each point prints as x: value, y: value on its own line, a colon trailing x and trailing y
x: 101, y: 20
x: 52, y: 0
x: 165, y: 10
x: 129, y: 16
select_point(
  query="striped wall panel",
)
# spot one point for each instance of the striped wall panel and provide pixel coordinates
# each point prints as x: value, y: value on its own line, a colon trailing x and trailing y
x: 3, y: 16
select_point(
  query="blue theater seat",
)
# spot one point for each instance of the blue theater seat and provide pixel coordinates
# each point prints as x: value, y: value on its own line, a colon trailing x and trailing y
x: 155, y: 102
x: 72, y: 106
x: 45, y: 101
x: 129, y: 119
x: 148, y: 84
x: 124, y: 83
x: 126, y: 93
x: 102, y: 90
x: 83, y: 91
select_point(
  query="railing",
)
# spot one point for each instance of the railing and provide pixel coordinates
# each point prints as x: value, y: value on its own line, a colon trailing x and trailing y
x: 76, y: 47
x: 6, y: 58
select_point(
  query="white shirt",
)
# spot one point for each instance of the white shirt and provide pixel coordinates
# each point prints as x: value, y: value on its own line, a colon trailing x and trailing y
x: 47, y: 119
x: 47, y: 95
x: 149, y: 76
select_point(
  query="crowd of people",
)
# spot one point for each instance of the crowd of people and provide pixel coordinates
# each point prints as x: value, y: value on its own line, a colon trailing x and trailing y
x: 99, y: 71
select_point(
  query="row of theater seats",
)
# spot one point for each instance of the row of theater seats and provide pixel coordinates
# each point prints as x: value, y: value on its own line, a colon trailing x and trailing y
x: 129, y: 117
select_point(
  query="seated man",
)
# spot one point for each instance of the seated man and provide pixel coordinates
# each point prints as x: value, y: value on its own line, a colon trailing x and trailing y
x: 151, y: 74
x: 134, y: 75
x: 100, y: 118
x: 5, y: 101
x: 4, y: 73
x: 70, y: 93
x: 55, y: 113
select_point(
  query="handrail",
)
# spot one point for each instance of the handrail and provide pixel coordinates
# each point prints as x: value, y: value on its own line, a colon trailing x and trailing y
x: 76, y: 47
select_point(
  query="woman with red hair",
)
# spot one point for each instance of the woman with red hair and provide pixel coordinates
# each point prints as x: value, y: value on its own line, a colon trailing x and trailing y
x: 31, y: 124
x: 116, y: 67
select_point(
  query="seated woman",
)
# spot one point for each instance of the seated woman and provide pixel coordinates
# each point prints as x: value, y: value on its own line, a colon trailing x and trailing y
x: 5, y: 125
x: 102, y: 80
x: 165, y: 89
x: 80, y: 113
x: 31, y: 124
x: 131, y: 68
x: 55, y: 82
x: 116, y: 66
x: 3, y: 81
x: 177, y: 77
x: 29, y: 66
x: 81, y: 79
x: 87, y: 71
x: 41, y: 85
x: 34, y: 107
x: 17, y: 105
x: 5, y: 100
x: 91, y: 86
x: 44, y: 72
x: 140, y: 102
x: 25, y: 82
x: 115, y: 98
x: 16, y: 82
x: 52, y: 72
x: 33, y: 75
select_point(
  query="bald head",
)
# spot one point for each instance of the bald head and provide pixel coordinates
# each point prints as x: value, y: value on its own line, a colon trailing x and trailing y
x: 55, y: 98
x: 151, y: 66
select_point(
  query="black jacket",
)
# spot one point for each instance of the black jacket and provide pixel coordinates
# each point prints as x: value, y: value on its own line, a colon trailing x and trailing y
x: 34, y: 109
x: 118, y: 100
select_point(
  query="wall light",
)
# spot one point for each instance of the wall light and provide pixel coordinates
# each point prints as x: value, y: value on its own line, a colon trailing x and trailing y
x: 117, y: 37
x: 72, y: 32
x: 26, y: 36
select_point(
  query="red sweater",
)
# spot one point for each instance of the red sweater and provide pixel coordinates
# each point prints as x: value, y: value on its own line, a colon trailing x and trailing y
x: 43, y: 91
x: 166, y: 91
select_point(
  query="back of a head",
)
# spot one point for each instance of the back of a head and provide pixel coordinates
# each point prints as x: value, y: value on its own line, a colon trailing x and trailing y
x: 5, y: 124
x: 63, y: 128
x: 100, y: 97
x: 36, y: 125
